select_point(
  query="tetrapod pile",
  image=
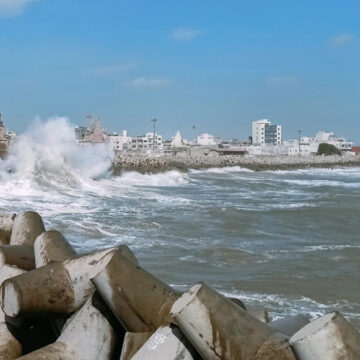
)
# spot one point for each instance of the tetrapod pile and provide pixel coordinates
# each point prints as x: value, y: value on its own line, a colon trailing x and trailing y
x: 58, y: 305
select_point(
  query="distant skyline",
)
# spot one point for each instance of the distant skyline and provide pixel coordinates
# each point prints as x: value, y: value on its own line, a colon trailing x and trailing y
x: 215, y: 65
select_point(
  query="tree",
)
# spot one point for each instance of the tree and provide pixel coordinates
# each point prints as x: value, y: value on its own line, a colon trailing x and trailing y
x: 328, y: 149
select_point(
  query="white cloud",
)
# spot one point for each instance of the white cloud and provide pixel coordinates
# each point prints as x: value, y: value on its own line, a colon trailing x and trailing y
x: 13, y: 7
x: 281, y: 79
x: 105, y: 70
x: 341, y: 40
x: 147, y: 82
x: 185, y: 33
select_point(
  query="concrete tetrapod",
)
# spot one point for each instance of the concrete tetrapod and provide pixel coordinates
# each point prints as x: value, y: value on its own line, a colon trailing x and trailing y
x: 86, y: 336
x: 27, y: 227
x: 6, y: 225
x: 139, y: 300
x: 167, y: 343
x: 52, y: 246
x: 10, y: 348
x: 289, y: 325
x: 219, y: 329
x: 21, y: 256
x: 56, y: 289
x: 3, y: 238
x: 238, y: 302
x: 329, y: 337
x: 132, y: 343
x: 258, y: 312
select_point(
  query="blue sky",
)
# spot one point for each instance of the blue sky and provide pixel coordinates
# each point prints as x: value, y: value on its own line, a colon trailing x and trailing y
x: 217, y: 65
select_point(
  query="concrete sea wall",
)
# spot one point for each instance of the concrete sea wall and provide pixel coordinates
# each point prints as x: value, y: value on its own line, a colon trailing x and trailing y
x: 152, y: 163
x: 58, y: 305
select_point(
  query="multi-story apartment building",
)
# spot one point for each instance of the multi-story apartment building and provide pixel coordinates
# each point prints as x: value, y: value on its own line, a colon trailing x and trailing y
x: 263, y: 132
x: 147, y: 142
x: 119, y: 142
x: 81, y: 132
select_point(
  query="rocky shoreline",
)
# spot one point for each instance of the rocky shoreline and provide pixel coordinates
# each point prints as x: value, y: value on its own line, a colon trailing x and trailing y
x: 155, y: 163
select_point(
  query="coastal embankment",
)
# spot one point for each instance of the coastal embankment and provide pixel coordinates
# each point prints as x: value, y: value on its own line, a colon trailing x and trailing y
x: 156, y: 162
x: 60, y: 305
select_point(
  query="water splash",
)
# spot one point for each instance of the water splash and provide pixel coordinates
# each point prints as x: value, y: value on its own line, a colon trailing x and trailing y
x: 47, y: 153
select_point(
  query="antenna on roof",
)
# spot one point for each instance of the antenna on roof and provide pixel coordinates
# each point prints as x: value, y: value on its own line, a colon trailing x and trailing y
x: 154, y: 121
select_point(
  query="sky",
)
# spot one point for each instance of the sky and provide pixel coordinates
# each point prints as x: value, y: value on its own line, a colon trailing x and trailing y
x: 215, y: 65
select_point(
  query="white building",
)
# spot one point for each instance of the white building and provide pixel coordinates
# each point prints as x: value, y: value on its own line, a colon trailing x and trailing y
x: 310, y: 146
x: 148, y: 141
x: 10, y: 134
x: 266, y: 149
x: 263, y: 132
x: 307, y: 146
x: 177, y: 141
x: 119, y: 142
x: 330, y: 138
x: 207, y: 140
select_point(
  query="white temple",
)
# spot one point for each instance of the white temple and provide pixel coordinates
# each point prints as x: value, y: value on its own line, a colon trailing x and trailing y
x: 177, y: 140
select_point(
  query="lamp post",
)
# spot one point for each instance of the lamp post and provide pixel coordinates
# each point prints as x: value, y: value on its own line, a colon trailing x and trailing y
x: 154, y: 121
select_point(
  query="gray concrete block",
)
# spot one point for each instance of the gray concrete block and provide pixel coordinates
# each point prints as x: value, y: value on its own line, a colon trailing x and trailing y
x: 219, y: 329
x: 139, y: 300
x: 289, y: 325
x: 330, y: 337
x: 21, y: 256
x: 56, y: 289
x: 167, y: 343
x: 87, y: 335
x: 51, y: 246
x: 27, y: 227
x: 132, y: 343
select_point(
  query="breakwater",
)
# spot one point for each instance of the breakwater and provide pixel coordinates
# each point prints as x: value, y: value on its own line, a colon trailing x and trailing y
x: 103, y: 305
x: 153, y: 163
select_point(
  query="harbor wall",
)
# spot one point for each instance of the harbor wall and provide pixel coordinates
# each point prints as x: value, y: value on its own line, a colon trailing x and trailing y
x: 152, y: 163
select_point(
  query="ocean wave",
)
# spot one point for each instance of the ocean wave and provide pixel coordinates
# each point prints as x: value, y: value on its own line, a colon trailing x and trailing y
x: 323, y: 183
x: 337, y: 171
x: 221, y: 170
x: 165, y: 179
x: 290, y: 206
x: 280, y: 306
x: 315, y: 248
x: 334, y: 247
x: 46, y: 162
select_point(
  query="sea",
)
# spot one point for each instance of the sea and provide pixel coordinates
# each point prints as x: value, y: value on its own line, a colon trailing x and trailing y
x: 285, y: 240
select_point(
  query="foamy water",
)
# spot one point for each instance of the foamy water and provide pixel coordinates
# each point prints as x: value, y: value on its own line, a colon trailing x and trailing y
x: 288, y: 239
